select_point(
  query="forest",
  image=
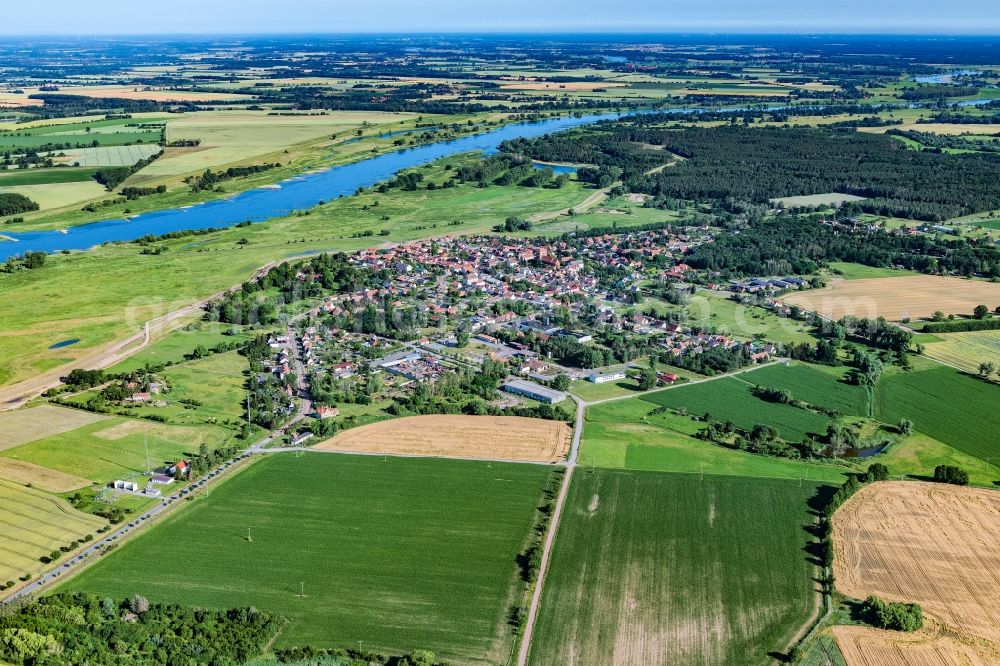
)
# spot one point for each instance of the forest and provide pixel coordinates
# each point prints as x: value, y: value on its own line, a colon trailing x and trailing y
x: 68, y: 629
x: 737, y: 165
x: 800, y: 245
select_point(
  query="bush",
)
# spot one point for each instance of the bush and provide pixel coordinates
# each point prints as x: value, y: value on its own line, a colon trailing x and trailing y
x: 895, y: 616
x: 876, y: 472
x: 951, y: 474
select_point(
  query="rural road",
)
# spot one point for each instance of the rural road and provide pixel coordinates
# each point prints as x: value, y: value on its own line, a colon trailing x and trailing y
x: 550, y: 536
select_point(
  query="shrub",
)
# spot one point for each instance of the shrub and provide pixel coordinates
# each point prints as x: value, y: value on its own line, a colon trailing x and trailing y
x: 951, y: 474
x: 896, y: 616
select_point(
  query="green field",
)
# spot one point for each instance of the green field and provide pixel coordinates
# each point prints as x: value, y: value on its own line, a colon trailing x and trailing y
x: 114, y: 448
x: 653, y: 568
x: 818, y: 385
x: 623, y: 434
x: 958, y: 410
x: 173, y: 346
x: 34, y: 524
x: 964, y: 350
x: 397, y: 553
x: 731, y: 399
x: 16, y: 177
x: 710, y: 309
x: 31, y: 139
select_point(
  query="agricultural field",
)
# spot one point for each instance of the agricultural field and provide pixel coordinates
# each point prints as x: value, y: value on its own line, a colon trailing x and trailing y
x: 113, y: 448
x: 397, y: 553
x: 848, y: 271
x: 955, y: 409
x: 731, y: 399
x: 109, y: 156
x: 35, y: 524
x: 916, y: 296
x: 27, y: 425
x: 234, y: 136
x: 664, y: 568
x: 932, y: 544
x: 456, y: 436
x: 51, y: 196
x: 965, y: 351
x: 49, y: 480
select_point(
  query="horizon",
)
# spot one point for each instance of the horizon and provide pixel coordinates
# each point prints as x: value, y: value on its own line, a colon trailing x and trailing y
x: 722, y: 17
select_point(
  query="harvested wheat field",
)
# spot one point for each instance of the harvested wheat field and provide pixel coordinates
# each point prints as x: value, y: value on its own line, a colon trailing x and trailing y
x: 932, y: 544
x: 898, y: 297
x: 454, y: 436
x: 931, y: 646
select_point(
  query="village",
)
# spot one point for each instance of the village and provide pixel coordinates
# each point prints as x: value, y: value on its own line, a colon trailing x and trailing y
x: 452, y: 304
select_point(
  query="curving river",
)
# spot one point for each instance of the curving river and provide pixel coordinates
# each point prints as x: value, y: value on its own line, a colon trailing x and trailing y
x: 300, y: 192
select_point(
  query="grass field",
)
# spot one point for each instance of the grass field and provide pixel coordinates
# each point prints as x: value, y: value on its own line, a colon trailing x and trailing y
x: 850, y: 271
x: 34, y: 524
x: 174, y: 345
x: 113, y: 448
x: 965, y: 350
x: 711, y: 309
x: 958, y: 410
x: 623, y: 434
x: 731, y: 399
x: 216, y: 383
x: 399, y: 554
x: 653, y: 568
x: 26, y: 425
x: 12, y: 177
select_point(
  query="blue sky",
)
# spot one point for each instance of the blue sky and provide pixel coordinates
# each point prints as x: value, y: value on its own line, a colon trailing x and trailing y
x: 78, y: 17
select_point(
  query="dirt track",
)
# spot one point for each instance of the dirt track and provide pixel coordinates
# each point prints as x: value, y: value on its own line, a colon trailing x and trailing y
x: 932, y: 544
x: 485, y: 437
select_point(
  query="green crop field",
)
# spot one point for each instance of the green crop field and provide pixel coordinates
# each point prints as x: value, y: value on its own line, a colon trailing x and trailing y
x: 623, y: 434
x: 653, y: 568
x: 114, y: 448
x: 397, y: 553
x: 731, y: 399
x: 958, y: 410
x: 35, y: 524
x: 818, y: 385
x: 14, y: 177
x: 20, y: 141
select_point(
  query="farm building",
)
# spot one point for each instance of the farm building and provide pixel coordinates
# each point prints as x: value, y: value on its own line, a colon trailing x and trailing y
x: 601, y: 378
x: 534, y: 391
x: 161, y: 479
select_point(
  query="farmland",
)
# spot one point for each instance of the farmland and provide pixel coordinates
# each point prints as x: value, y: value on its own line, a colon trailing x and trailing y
x: 929, y: 544
x: 397, y: 553
x: 955, y: 409
x: 34, y: 524
x: 623, y: 434
x: 666, y: 568
x: 916, y: 296
x: 709, y: 309
x: 830, y: 199
x: 112, y: 448
x: 731, y: 399
x: 485, y: 437
x: 26, y: 425
x: 965, y: 350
